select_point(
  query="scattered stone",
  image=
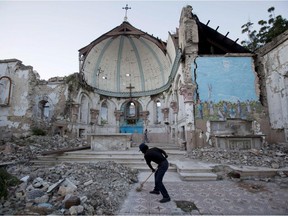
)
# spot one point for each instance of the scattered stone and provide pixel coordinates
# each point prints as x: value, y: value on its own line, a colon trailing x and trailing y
x: 103, y: 196
x: 72, y: 201
x: 270, y: 156
x: 100, y: 188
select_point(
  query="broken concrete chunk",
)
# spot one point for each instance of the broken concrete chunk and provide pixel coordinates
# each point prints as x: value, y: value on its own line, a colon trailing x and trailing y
x: 52, y: 187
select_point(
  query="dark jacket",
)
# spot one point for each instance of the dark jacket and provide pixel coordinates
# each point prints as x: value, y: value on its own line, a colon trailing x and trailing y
x: 156, y: 155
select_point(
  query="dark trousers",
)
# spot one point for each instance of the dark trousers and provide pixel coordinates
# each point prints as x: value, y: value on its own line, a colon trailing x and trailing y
x: 159, y: 174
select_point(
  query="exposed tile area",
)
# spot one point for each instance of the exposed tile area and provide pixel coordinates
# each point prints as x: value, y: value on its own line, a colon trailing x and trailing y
x: 210, y: 198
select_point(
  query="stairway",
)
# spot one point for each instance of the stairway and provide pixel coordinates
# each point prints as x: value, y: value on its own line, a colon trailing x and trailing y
x: 187, y: 169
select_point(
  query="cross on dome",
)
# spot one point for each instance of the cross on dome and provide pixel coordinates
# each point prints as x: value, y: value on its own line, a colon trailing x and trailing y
x: 126, y: 8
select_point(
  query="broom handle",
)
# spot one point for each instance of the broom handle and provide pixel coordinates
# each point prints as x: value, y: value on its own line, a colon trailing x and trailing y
x: 148, y: 177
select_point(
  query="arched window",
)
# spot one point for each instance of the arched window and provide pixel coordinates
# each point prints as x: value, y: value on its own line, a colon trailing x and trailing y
x: 158, y: 112
x: 44, y: 108
x: 131, y: 109
x: 104, y: 113
x: 131, y: 112
x: 5, y: 90
x: 84, y: 110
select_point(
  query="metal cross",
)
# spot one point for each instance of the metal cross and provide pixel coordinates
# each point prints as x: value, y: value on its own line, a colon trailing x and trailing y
x: 126, y: 8
x: 130, y: 89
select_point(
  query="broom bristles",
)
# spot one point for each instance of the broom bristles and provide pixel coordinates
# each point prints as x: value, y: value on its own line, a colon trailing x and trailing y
x: 139, y: 188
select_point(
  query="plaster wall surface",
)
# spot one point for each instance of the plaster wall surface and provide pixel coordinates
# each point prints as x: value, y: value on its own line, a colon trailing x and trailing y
x: 16, y: 114
x: 276, y: 71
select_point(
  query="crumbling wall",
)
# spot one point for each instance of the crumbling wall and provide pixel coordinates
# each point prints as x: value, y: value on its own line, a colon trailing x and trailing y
x: 27, y: 102
x: 49, y: 103
x: 16, y: 115
x: 272, y: 66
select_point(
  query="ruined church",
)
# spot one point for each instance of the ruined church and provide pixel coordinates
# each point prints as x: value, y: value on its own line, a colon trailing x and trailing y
x: 197, y: 88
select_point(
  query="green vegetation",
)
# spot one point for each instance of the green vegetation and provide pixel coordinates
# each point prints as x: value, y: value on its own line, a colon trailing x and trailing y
x: 38, y: 132
x: 6, y: 181
x: 76, y: 81
x: 269, y: 29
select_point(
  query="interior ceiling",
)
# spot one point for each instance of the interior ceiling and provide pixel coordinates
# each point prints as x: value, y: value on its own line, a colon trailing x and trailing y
x: 126, y: 59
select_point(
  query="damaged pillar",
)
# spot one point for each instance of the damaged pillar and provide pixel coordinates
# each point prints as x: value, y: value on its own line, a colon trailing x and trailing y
x: 165, y: 112
x: 188, y: 42
x: 174, y: 107
x: 188, y: 93
x: 144, y: 116
x: 118, y: 114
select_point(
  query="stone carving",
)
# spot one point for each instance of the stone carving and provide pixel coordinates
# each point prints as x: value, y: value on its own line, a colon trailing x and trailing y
x: 174, y: 106
x: 118, y: 114
x: 144, y: 115
x: 165, y: 112
x: 188, y: 92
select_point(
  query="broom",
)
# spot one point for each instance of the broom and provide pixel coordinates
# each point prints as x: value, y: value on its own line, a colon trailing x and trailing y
x: 138, y: 189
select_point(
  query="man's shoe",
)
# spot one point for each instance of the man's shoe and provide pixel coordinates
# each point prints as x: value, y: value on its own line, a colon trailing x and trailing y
x: 154, y: 192
x: 164, y: 200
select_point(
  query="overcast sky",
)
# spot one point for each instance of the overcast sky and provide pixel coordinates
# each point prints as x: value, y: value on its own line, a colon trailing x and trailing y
x: 48, y: 34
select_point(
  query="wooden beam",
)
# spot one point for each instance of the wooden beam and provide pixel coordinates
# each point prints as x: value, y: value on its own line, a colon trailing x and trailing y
x: 61, y: 151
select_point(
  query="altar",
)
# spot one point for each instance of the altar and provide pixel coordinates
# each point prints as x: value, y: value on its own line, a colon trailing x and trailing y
x: 110, y: 142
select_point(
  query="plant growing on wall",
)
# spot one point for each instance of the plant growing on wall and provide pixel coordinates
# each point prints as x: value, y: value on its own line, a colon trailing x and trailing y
x: 76, y: 81
x: 269, y: 29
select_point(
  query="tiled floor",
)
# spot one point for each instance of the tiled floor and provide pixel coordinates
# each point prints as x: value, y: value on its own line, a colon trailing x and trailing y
x: 211, y: 198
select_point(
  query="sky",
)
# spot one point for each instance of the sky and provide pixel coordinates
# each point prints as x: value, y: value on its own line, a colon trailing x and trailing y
x: 48, y: 34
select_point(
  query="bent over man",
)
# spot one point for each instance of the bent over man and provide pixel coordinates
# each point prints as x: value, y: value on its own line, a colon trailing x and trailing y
x: 158, y: 156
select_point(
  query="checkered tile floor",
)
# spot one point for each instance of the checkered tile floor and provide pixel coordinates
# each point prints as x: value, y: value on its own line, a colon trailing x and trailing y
x: 211, y: 198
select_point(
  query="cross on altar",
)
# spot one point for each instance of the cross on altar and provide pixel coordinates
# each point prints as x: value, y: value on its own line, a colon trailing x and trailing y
x: 130, y: 89
x: 126, y: 8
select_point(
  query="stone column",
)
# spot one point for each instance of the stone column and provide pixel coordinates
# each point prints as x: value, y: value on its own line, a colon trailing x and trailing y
x: 118, y: 114
x: 94, y: 116
x: 165, y: 112
x: 174, y: 107
x: 75, y: 112
x: 188, y: 93
x: 144, y: 116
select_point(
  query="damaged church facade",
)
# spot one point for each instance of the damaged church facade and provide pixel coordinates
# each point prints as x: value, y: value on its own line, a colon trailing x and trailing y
x: 198, y: 88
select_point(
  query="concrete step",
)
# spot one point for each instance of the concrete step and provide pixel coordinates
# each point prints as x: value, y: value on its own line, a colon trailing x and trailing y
x: 193, y: 176
x: 188, y: 170
x: 165, y: 146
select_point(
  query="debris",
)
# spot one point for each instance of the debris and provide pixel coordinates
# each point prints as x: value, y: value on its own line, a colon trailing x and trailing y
x: 186, y: 206
x: 270, y: 155
x: 50, y: 189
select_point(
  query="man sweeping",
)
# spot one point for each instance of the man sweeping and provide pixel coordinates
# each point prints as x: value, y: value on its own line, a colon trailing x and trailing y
x: 158, y: 156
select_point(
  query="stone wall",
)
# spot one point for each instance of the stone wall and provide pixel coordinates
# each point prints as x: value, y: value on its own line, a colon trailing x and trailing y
x: 17, y: 84
x: 272, y: 65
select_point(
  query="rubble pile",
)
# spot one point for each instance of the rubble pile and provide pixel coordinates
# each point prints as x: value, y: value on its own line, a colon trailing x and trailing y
x: 96, y: 188
x: 270, y: 155
x: 25, y: 149
x: 68, y: 189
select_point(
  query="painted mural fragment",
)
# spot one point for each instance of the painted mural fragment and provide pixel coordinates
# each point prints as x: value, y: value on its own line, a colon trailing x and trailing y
x: 226, y: 88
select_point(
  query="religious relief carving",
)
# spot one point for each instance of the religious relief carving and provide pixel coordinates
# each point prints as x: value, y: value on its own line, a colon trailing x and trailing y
x: 188, y: 92
x: 174, y: 106
x: 94, y: 116
x: 144, y: 115
x: 118, y: 114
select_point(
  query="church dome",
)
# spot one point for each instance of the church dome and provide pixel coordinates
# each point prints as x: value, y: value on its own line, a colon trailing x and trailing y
x: 126, y: 62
